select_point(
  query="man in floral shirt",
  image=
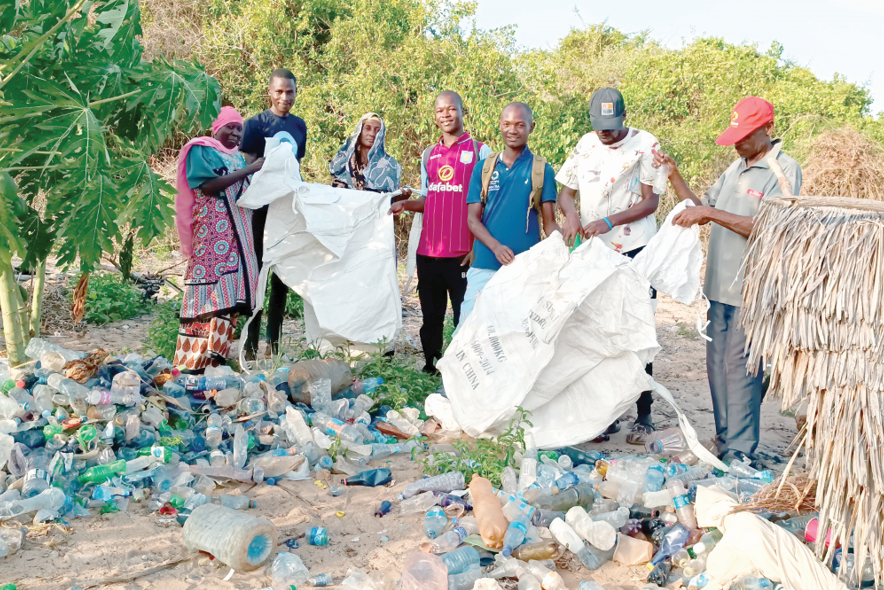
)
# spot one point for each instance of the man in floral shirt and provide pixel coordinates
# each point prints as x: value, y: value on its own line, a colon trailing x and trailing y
x: 612, y: 167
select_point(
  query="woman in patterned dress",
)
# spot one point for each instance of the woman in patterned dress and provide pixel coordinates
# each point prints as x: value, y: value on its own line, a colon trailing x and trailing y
x: 216, y: 238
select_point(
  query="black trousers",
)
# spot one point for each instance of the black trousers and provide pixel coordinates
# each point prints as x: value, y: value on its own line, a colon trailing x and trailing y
x: 438, y: 280
x: 278, y: 293
x: 643, y: 405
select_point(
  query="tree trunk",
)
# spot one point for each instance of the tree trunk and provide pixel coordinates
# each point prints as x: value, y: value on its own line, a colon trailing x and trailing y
x: 37, y: 284
x: 10, y: 306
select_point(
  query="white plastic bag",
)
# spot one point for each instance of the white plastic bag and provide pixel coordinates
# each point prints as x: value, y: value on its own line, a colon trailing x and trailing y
x: 672, y: 259
x: 566, y: 336
x: 334, y: 247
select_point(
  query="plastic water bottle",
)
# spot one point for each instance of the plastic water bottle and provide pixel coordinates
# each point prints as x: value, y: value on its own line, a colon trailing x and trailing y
x: 589, y: 557
x: 684, y: 510
x: 509, y: 482
x: 37, y: 478
x: 528, y: 467
x: 240, y: 447
x: 706, y: 543
x: 515, y: 534
x: 101, y: 473
x: 320, y: 580
x: 697, y: 472
x: 461, y: 559
x: 453, y: 480
x: 616, y: 518
x: 654, y: 478
x: 454, y: 538
x: 288, y: 570
x: 591, y: 585
x: 49, y: 499
x: 665, y: 442
x: 674, y: 469
x: 434, y: 522
x: 598, y: 533
x: 317, y: 535
x: 295, y: 422
x: 566, y: 481
x: 238, y: 539
x: 674, y: 540
x: 464, y: 580
x: 424, y: 571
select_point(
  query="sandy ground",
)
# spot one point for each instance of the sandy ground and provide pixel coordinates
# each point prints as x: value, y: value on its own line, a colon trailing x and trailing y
x: 97, y: 550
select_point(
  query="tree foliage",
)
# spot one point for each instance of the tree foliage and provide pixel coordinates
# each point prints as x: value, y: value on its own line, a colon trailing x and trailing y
x: 82, y: 114
x: 393, y: 57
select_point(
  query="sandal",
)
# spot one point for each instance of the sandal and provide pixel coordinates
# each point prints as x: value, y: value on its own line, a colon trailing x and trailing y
x: 639, y: 434
x: 606, y: 435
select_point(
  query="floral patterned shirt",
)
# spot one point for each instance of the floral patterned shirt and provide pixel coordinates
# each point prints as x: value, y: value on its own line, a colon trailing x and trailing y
x: 609, y: 180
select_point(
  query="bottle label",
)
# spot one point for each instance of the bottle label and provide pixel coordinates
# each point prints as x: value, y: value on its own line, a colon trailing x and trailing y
x: 680, y: 501
x: 37, y: 474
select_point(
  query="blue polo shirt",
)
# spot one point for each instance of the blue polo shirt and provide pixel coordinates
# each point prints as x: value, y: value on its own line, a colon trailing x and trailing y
x: 508, y: 206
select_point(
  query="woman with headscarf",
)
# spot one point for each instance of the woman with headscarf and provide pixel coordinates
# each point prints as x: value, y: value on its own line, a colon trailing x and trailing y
x: 362, y: 163
x: 216, y: 238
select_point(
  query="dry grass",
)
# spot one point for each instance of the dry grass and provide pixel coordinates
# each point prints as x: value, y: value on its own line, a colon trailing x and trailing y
x: 787, y: 494
x: 844, y: 163
x: 813, y: 307
x: 172, y: 28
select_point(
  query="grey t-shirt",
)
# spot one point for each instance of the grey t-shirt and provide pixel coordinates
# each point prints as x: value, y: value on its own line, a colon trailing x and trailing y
x: 740, y: 191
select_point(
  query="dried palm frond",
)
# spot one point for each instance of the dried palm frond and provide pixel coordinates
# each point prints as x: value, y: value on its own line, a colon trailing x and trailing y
x: 813, y: 307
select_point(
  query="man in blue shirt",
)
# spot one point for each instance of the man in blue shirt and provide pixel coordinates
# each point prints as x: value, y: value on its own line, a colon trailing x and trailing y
x: 282, y: 90
x: 507, y: 223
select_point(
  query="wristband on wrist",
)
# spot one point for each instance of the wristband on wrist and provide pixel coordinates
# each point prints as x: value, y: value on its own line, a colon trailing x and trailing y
x: 608, y: 221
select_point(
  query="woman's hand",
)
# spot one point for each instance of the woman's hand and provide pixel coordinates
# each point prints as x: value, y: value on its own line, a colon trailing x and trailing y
x: 255, y: 166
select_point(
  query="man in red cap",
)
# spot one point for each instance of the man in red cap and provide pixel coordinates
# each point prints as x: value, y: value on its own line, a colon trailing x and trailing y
x: 731, y: 205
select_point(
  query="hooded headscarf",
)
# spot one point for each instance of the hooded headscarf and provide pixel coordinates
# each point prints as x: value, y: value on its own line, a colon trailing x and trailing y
x: 186, y: 198
x: 382, y: 173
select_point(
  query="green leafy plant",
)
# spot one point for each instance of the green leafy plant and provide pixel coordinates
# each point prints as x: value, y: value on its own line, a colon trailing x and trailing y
x: 404, y: 384
x: 162, y: 335
x: 487, y: 457
x: 110, y: 299
x: 81, y: 115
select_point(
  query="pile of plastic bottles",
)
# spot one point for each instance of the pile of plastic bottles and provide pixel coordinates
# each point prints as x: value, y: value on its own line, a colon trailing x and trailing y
x: 84, y: 435
x: 136, y: 430
x: 635, y: 510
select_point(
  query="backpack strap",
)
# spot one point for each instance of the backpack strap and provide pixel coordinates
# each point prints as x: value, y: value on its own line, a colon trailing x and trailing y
x: 487, y: 172
x: 538, y: 169
x: 425, y: 161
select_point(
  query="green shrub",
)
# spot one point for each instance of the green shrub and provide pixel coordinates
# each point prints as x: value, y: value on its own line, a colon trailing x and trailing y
x: 110, y: 299
x: 486, y: 457
x: 162, y: 335
x: 404, y: 384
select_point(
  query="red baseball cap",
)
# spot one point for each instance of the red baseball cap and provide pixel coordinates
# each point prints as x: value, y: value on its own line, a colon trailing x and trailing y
x: 749, y: 114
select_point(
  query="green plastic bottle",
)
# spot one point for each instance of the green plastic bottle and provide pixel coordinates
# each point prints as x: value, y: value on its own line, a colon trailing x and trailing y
x: 8, y: 385
x: 576, y: 242
x: 161, y: 453
x: 50, y: 430
x: 8, y: 587
x: 101, y: 473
